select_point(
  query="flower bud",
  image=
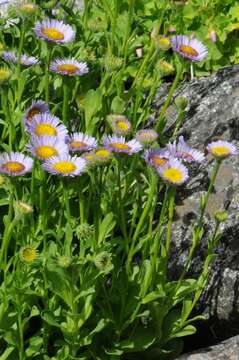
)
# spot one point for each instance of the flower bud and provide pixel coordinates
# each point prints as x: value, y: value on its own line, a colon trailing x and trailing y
x: 181, y: 102
x: 164, y: 67
x: 24, y: 208
x: 220, y: 216
x: 103, y: 262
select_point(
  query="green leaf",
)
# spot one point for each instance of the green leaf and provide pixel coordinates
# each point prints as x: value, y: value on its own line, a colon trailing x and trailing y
x: 152, y: 296
x: 92, y: 105
x: 106, y: 226
x: 186, y: 331
x: 49, y: 318
x: 141, y: 340
x: 117, y: 105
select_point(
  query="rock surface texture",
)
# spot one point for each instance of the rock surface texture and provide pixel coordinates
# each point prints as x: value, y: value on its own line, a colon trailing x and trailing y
x: 226, y: 350
x: 213, y: 113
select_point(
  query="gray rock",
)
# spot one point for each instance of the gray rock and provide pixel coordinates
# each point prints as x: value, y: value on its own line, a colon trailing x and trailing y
x: 227, y: 350
x: 213, y: 113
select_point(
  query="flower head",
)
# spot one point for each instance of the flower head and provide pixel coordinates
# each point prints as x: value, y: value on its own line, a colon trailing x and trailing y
x: 25, y: 60
x: 191, y: 49
x: 81, y: 142
x: 119, y: 123
x: 120, y: 145
x: 28, y: 254
x: 28, y: 8
x: 23, y: 207
x: 45, y: 147
x: 47, y: 125
x: 36, y: 108
x: 69, y: 67
x: 221, y: 149
x: 15, y: 164
x: 183, y: 151
x: 164, y: 67
x: 162, y: 42
x: 4, y: 74
x: 146, y: 136
x: 173, y: 172
x: 65, y: 165
x: 54, y: 31
x: 156, y: 157
x: 103, y: 262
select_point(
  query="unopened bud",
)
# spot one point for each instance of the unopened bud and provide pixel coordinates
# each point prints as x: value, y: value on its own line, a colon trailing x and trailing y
x: 103, y: 262
x: 181, y: 102
x: 24, y: 208
x: 220, y: 216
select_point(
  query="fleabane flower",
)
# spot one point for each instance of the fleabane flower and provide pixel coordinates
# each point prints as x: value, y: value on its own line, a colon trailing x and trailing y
x: 146, y: 136
x: 37, y: 107
x: 120, y: 145
x: 45, y: 147
x: 25, y: 60
x: 173, y: 172
x: 65, y: 165
x: 221, y: 149
x: 47, y: 125
x: 191, y: 49
x: 81, y: 142
x: 15, y: 164
x: 156, y: 157
x: 70, y: 67
x: 54, y: 31
x: 119, y: 123
x: 182, y: 150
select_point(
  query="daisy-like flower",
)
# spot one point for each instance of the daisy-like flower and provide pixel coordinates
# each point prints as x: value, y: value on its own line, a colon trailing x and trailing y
x: 119, y: 123
x: 36, y: 108
x: 65, y: 165
x: 47, y: 125
x: 54, y: 31
x: 45, y: 147
x: 146, y: 136
x: 28, y: 254
x: 15, y: 164
x: 120, y: 145
x: 173, y: 172
x: 183, y: 151
x: 221, y: 149
x: 69, y: 67
x: 191, y: 49
x: 103, y: 154
x: 156, y: 157
x: 25, y: 60
x: 81, y: 142
x: 162, y: 42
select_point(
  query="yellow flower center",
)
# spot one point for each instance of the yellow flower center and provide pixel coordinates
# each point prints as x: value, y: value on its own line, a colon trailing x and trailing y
x: 4, y: 74
x: 157, y: 160
x: 122, y: 125
x: 103, y: 153
x: 45, y: 151
x: 120, y: 146
x: 188, y: 50
x: 220, y: 151
x: 13, y: 166
x: 28, y: 254
x: 173, y: 175
x: 52, y: 33
x: 64, y: 167
x: 77, y: 145
x: 32, y: 113
x: 69, y: 68
x: 89, y: 157
x: 45, y: 130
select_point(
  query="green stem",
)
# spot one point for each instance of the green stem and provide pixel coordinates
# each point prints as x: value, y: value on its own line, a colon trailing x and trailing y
x: 66, y: 201
x: 178, y: 124
x: 170, y: 217
x: 8, y: 126
x: 153, y: 185
x: 20, y: 331
x: 19, y: 54
x: 198, y: 230
x: 65, y: 102
x: 128, y: 28
x: 160, y: 122
x: 120, y: 203
x: 48, y: 59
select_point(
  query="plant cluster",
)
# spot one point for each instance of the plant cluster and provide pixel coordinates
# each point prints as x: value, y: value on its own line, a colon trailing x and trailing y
x: 88, y: 188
